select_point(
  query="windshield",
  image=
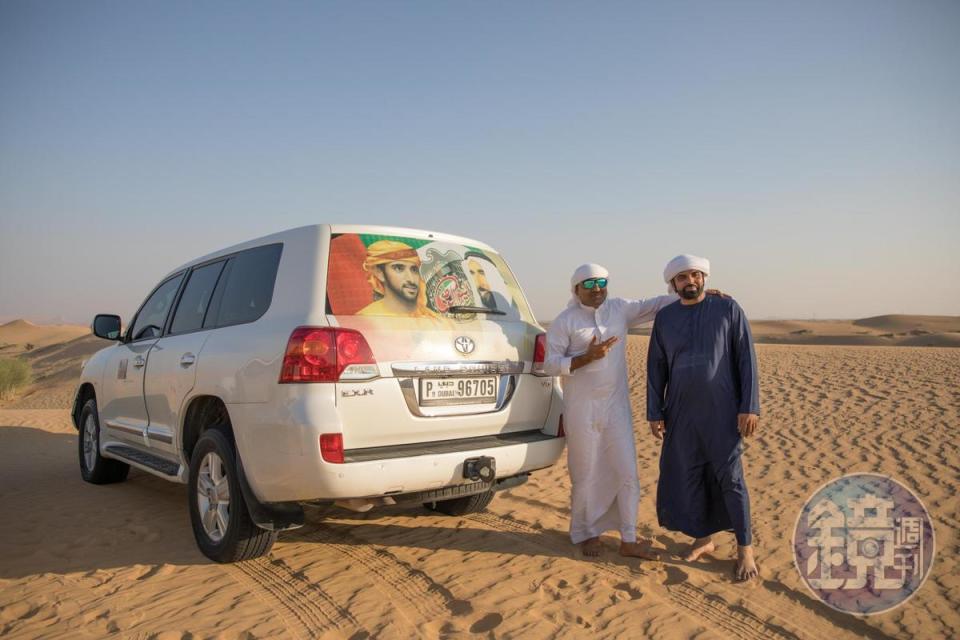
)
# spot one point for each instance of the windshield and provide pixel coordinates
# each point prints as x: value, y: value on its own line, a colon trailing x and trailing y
x: 375, y: 275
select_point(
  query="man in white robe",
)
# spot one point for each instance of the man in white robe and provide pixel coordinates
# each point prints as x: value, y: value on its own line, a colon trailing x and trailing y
x: 586, y: 345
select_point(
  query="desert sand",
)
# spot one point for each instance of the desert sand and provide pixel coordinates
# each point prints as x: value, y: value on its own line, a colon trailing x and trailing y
x: 16, y: 334
x: 85, y: 561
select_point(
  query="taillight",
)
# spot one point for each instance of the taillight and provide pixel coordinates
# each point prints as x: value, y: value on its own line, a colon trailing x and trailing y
x: 539, y: 354
x: 331, y: 447
x: 560, y: 432
x: 327, y: 354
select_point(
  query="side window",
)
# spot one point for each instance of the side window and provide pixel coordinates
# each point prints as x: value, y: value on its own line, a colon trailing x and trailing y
x: 196, y: 296
x: 153, y: 313
x: 247, y: 286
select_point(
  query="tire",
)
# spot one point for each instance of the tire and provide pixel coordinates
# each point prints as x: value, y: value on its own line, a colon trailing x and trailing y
x: 94, y: 468
x: 462, y: 506
x: 228, y: 534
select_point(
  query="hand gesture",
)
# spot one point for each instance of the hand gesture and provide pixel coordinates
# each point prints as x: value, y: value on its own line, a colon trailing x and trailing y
x: 747, y: 423
x: 597, y: 350
x: 658, y: 428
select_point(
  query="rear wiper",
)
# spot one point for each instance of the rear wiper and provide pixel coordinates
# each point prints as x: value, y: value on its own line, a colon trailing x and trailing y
x: 460, y: 308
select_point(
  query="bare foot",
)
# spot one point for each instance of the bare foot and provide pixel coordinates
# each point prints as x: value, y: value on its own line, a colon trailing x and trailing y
x: 638, y: 550
x: 699, y: 547
x: 591, y: 547
x: 746, y: 567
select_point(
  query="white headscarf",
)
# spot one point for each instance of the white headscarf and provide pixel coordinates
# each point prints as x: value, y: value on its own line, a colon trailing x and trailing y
x: 583, y: 272
x: 682, y: 263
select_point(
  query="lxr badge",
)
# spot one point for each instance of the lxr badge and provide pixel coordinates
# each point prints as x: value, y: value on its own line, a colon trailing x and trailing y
x: 863, y: 543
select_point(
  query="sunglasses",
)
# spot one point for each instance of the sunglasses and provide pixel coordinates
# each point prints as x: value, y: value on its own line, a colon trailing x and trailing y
x: 594, y: 282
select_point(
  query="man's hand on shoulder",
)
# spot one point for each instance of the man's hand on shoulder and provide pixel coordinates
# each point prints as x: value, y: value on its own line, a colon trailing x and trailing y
x: 717, y: 292
x: 747, y: 423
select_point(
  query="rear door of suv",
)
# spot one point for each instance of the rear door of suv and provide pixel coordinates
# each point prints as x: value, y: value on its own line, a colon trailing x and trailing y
x: 224, y: 292
x: 451, y: 334
x: 172, y: 363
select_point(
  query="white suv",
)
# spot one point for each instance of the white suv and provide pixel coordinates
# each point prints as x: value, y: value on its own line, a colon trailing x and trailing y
x: 359, y: 364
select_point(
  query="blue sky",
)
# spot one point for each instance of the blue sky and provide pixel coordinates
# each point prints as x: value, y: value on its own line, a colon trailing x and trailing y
x: 811, y: 150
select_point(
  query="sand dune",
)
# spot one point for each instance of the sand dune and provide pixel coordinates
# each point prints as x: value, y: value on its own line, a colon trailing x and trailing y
x: 879, y: 331
x: 14, y: 335
x: 78, y: 560
x: 812, y: 338
x: 56, y: 370
x: 889, y: 331
x: 908, y: 323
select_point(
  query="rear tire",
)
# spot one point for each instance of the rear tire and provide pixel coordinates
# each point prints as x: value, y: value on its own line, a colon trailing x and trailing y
x: 221, y: 522
x: 94, y: 468
x: 462, y: 506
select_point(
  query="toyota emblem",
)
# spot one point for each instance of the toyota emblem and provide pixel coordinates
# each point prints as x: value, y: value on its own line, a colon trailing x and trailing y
x: 464, y: 345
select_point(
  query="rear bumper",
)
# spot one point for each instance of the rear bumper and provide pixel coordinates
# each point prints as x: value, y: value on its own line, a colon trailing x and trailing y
x: 394, y: 470
x: 279, y: 445
x: 371, y: 454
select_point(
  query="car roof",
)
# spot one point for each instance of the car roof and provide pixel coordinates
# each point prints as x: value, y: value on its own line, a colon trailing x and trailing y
x: 412, y: 233
x: 318, y: 229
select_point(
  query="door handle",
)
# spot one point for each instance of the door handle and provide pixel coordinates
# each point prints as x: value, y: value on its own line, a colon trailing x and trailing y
x: 187, y: 359
x: 138, y: 362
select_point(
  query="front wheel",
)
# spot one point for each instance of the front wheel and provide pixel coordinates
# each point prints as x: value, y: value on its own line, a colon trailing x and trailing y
x: 94, y: 468
x: 462, y: 506
x: 221, y: 522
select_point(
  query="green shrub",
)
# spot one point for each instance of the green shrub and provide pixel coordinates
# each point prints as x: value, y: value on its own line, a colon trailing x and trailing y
x: 13, y: 374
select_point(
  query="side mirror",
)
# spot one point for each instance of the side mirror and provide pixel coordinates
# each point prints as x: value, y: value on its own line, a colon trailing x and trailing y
x: 106, y: 326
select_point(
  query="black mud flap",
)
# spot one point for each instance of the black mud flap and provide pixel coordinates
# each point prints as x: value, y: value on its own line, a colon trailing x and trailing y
x: 75, y: 410
x: 275, y: 516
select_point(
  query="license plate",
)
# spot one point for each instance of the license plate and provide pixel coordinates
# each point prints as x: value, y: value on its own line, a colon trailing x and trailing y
x: 439, y: 391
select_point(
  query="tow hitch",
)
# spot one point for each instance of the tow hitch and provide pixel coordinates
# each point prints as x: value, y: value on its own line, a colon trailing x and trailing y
x: 483, y: 468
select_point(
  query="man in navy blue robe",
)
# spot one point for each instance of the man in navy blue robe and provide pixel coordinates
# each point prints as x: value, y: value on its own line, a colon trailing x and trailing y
x: 702, y: 399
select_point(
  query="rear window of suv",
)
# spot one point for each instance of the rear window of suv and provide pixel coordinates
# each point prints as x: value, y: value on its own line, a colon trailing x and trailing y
x: 377, y: 275
x: 195, y: 297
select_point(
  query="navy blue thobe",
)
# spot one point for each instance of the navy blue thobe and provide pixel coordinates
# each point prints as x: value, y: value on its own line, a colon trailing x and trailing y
x: 702, y: 372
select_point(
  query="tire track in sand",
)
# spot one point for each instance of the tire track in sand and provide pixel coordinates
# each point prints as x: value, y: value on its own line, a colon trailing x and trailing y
x: 419, y: 592
x: 733, y: 621
x: 305, y: 604
x: 729, y: 620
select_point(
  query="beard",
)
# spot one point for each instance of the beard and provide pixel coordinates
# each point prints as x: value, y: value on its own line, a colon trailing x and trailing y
x: 487, y: 299
x: 409, y: 293
x: 594, y: 299
x: 406, y: 293
x: 691, y: 292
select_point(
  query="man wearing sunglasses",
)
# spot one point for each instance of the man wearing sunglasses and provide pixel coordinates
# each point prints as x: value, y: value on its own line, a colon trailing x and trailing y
x: 586, y: 344
x: 702, y: 399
